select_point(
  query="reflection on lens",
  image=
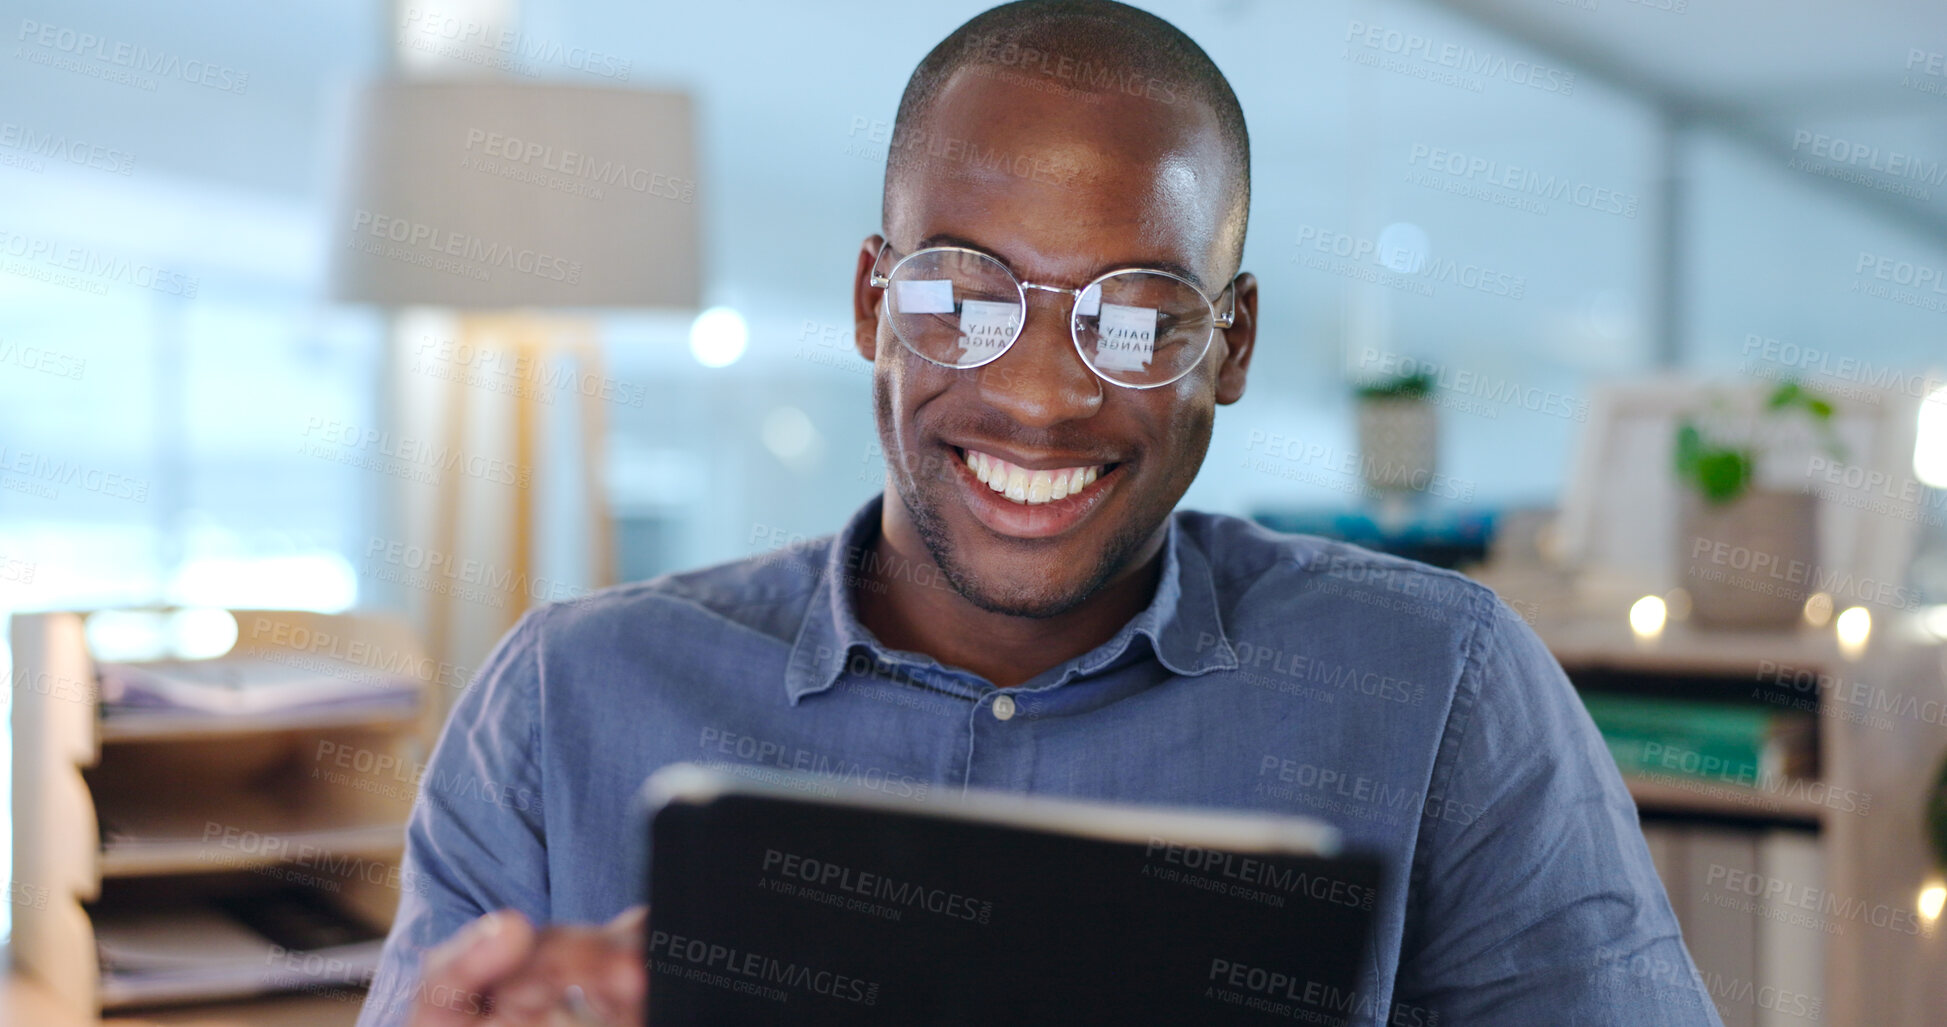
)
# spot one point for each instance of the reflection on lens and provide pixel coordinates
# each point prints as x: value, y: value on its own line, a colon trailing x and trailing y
x: 954, y: 307
x: 1142, y: 328
x: 986, y: 327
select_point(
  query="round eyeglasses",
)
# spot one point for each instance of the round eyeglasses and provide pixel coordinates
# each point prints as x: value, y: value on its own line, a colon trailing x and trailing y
x: 1140, y: 328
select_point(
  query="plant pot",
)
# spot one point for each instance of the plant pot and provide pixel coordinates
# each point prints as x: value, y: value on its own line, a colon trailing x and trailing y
x: 1751, y: 562
x: 1399, y: 444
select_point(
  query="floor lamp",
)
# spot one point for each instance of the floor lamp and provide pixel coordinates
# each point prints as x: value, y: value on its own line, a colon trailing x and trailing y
x: 514, y: 210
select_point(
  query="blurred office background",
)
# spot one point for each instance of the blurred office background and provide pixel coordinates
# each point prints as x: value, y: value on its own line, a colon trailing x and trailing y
x: 1734, y: 187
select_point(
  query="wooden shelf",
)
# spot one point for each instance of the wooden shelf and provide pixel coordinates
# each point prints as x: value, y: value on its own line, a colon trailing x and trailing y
x: 151, y: 857
x: 1671, y: 794
x: 28, y: 1002
x: 111, y: 811
x: 1607, y: 643
x: 167, y: 727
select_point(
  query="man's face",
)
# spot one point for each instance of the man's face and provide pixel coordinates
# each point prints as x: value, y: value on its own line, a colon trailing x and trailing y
x: 1060, y: 189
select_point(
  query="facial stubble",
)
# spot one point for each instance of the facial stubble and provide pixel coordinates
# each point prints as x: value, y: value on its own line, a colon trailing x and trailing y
x: 922, y: 499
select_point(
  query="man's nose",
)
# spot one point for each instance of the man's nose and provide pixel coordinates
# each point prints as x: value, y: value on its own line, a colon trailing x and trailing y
x: 1041, y: 381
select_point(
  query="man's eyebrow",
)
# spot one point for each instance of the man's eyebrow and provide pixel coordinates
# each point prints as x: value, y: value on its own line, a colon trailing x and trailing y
x: 1173, y: 267
x: 949, y: 239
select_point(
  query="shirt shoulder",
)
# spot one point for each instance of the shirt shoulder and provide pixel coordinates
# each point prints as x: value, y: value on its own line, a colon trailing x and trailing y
x: 1253, y: 568
x: 765, y: 594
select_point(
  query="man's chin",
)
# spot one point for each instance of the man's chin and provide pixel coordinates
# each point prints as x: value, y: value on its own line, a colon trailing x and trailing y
x: 1017, y: 584
x: 1016, y: 598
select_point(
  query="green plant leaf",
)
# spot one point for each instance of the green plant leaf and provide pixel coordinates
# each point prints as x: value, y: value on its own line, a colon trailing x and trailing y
x: 1402, y: 386
x: 1690, y: 442
x: 1722, y: 474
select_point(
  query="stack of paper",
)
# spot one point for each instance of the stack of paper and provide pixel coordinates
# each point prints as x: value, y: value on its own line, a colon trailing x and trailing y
x: 278, y: 942
x: 248, y: 684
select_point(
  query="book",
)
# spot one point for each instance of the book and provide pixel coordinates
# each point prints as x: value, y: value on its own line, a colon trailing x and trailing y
x: 1731, y: 742
x: 790, y: 898
x: 1791, y: 951
x: 1720, y: 925
x: 1761, y: 960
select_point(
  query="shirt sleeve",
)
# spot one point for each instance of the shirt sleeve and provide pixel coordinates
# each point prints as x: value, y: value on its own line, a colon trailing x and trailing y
x: 1534, y: 900
x: 475, y: 840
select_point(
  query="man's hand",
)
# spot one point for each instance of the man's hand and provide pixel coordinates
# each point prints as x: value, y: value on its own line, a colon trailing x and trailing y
x: 500, y: 969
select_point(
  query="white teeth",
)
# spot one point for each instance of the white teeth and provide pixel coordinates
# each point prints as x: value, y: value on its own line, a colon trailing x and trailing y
x: 1040, y: 484
x: 1017, y: 484
x: 978, y: 461
x: 1030, y: 487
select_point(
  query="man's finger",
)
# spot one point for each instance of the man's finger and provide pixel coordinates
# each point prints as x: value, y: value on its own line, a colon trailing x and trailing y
x: 627, y: 925
x: 606, y: 969
x: 458, y: 976
x: 629, y: 979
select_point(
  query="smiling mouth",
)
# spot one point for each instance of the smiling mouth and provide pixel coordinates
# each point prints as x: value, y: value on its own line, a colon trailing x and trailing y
x: 1029, y: 486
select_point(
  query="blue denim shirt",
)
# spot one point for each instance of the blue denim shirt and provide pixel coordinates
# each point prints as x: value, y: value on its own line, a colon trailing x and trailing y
x: 1405, y: 704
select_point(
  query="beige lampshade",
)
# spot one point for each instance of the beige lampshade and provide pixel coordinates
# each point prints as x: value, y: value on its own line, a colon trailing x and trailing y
x: 494, y: 195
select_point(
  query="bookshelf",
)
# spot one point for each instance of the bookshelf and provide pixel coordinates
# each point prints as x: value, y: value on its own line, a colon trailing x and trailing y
x: 1853, y: 831
x: 151, y: 816
x: 1726, y: 802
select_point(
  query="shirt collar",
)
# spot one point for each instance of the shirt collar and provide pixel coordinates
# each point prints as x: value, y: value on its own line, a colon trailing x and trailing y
x: 1181, y: 622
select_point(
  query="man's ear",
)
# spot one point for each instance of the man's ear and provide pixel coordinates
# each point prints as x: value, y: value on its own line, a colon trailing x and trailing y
x: 865, y: 301
x: 1239, y: 340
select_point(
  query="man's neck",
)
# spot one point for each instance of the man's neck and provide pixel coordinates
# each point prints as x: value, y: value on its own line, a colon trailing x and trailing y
x: 921, y: 613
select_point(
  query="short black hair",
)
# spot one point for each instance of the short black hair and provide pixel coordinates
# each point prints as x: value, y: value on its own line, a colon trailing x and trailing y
x: 1084, y: 46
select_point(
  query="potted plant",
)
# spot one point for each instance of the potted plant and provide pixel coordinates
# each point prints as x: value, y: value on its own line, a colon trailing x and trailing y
x: 1399, y: 434
x: 1748, y: 553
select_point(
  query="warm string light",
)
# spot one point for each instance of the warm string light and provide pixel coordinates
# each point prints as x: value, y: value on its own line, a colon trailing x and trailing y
x: 1932, y: 898
x: 1854, y: 627
x: 1647, y: 617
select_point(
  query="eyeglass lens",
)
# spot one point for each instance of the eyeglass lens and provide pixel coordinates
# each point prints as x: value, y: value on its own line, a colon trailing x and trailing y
x: 961, y: 309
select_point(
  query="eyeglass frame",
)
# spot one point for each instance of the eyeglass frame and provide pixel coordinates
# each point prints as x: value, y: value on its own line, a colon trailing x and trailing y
x: 1218, y: 322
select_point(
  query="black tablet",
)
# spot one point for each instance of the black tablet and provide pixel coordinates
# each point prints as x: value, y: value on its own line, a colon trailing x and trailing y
x: 789, y: 899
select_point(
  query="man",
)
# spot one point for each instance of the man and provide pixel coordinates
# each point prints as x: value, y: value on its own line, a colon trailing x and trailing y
x: 1023, y: 608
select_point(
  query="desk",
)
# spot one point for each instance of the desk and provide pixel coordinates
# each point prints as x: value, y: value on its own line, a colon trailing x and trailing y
x: 25, y: 1003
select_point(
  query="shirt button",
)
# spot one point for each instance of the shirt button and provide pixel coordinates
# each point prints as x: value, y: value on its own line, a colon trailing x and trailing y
x: 1004, y: 708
